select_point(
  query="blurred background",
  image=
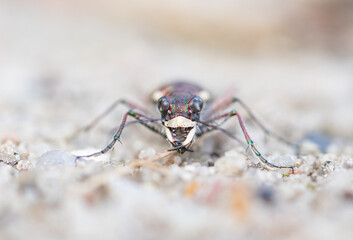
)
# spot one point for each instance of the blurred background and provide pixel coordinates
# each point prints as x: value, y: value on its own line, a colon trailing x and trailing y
x: 62, y: 62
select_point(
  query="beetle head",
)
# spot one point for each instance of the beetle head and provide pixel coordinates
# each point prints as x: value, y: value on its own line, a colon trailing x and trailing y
x: 179, y: 119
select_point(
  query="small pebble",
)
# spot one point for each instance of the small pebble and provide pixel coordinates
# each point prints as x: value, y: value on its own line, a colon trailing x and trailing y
x: 7, y: 158
x: 282, y: 160
x: 56, y: 158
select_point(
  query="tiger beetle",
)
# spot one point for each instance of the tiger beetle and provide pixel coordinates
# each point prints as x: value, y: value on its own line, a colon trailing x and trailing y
x: 180, y: 105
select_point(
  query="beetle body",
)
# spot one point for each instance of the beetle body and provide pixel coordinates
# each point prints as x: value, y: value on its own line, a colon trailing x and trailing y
x: 180, y: 105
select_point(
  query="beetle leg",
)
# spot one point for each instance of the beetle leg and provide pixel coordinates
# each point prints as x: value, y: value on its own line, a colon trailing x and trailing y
x: 233, y: 100
x: 208, y: 127
x: 249, y: 141
x: 96, y: 120
x: 140, y: 118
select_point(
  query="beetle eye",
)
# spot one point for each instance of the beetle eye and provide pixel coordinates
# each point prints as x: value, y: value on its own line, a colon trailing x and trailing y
x: 163, y: 104
x: 196, y: 104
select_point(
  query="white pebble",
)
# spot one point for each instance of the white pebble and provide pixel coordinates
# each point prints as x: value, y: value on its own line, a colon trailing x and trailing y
x: 56, y: 158
x: 282, y: 160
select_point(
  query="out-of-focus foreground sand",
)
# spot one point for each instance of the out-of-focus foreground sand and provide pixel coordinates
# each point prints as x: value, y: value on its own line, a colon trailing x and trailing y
x: 64, y: 62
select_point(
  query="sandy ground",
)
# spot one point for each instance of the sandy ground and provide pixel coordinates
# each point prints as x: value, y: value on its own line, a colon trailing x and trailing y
x: 61, y: 65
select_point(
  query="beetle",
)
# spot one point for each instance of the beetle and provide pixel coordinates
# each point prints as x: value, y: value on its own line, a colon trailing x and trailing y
x: 181, y: 106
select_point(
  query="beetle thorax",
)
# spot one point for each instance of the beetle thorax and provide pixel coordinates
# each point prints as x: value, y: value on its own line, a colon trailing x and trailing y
x: 180, y: 131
